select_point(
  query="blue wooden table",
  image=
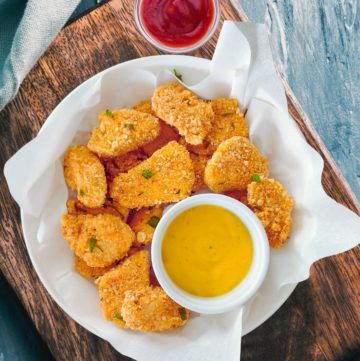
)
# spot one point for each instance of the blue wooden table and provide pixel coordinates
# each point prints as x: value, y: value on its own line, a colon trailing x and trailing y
x: 315, y: 45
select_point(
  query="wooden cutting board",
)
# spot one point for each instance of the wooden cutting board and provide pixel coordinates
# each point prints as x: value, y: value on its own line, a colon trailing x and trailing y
x: 320, y: 321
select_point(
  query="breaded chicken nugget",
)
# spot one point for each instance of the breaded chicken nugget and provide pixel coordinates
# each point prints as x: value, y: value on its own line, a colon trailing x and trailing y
x: 145, y: 107
x: 121, y: 131
x: 133, y: 273
x: 151, y: 309
x: 167, y: 176
x: 167, y: 134
x: 90, y: 272
x: 100, y: 240
x: 233, y: 164
x: 228, y: 122
x: 84, y: 172
x: 273, y: 205
x: 181, y: 108
x: 144, y: 222
x: 199, y: 163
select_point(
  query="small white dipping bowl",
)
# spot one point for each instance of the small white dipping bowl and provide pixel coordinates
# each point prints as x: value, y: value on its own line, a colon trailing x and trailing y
x: 245, y: 289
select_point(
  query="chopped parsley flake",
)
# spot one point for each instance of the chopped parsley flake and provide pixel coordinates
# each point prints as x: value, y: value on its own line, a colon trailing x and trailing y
x: 108, y: 113
x: 183, y: 314
x: 118, y: 316
x: 81, y: 193
x: 153, y: 221
x: 147, y: 174
x: 92, y: 243
x: 129, y: 126
x: 178, y: 75
x: 256, y: 178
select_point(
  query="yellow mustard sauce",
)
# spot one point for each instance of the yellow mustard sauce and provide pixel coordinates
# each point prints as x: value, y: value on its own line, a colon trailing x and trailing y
x: 207, y: 251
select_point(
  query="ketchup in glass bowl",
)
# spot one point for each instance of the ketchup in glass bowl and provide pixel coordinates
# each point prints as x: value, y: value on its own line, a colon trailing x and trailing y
x: 177, y: 26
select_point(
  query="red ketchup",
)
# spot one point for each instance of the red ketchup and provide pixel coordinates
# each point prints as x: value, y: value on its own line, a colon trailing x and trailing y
x: 178, y: 23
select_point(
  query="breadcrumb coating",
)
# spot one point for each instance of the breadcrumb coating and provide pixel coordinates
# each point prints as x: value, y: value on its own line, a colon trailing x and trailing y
x: 144, y: 106
x: 133, y: 273
x: 84, y: 172
x: 150, y: 309
x: 121, y: 131
x: 99, y: 240
x: 167, y: 176
x: 199, y: 163
x: 90, y: 272
x: 233, y: 164
x: 144, y: 222
x: 183, y: 109
x: 273, y: 205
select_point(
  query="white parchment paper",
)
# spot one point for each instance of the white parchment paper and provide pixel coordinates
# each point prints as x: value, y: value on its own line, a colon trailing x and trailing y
x: 242, y: 67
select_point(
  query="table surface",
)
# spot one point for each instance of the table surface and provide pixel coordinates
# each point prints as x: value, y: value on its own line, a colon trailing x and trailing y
x: 316, y: 333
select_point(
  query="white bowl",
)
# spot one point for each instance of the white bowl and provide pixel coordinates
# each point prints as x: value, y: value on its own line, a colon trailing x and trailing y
x: 246, y: 288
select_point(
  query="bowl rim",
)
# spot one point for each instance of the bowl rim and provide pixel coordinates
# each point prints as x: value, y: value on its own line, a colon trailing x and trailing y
x: 176, y: 50
x: 246, y: 289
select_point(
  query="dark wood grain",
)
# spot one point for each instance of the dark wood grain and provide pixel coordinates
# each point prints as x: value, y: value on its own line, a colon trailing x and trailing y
x: 320, y: 321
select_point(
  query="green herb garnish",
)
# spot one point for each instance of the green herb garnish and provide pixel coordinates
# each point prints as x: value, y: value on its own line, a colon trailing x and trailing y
x: 153, y: 221
x: 108, y: 113
x: 256, y: 178
x: 178, y: 75
x: 183, y: 313
x: 92, y: 243
x: 147, y: 174
x: 129, y: 126
x: 81, y: 193
x: 227, y: 114
x: 118, y: 316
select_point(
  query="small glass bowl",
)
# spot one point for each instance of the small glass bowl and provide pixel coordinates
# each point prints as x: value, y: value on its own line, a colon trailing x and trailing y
x: 177, y: 50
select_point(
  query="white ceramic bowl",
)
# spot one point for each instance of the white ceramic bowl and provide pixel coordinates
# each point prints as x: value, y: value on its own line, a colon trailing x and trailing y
x: 241, y: 293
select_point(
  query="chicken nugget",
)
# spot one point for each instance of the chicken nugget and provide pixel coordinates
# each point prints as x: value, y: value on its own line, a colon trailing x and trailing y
x: 90, y: 272
x: 150, y: 309
x: 145, y: 107
x: 144, y: 222
x: 100, y: 240
x: 183, y: 109
x: 121, y: 131
x: 273, y: 205
x: 167, y: 176
x: 199, y: 163
x: 133, y: 273
x: 233, y: 164
x: 84, y: 172
x: 228, y: 122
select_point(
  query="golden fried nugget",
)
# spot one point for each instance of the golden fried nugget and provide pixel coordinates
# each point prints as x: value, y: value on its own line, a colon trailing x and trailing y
x: 199, y: 163
x: 233, y: 164
x: 90, y: 272
x: 150, y: 309
x: 183, y: 109
x: 228, y: 122
x: 273, y: 205
x: 144, y: 222
x: 133, y: 273
x: 84, y: 172
x: 121, y: 131
x: 167, y: 176
x: 100, y: 240
x: 145, y: 107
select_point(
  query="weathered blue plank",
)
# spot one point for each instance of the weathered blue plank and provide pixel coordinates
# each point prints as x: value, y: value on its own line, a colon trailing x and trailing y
x: 316, y: 45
